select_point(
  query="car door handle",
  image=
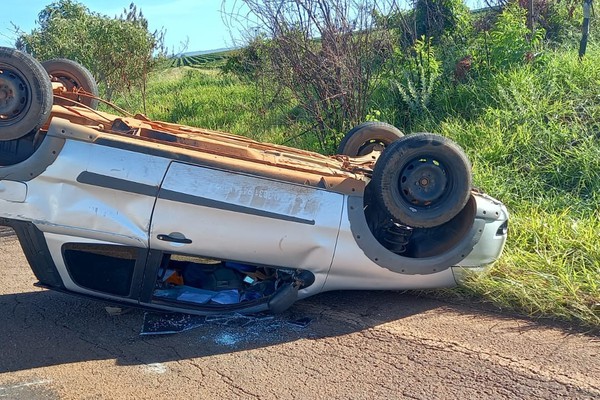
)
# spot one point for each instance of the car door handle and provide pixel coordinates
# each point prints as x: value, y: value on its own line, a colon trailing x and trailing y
x: 174, y: 237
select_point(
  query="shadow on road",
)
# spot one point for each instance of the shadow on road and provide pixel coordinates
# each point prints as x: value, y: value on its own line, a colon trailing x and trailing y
x: 47, y: 328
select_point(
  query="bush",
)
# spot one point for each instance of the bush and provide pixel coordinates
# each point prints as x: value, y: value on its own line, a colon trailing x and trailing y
x: 118, y: 51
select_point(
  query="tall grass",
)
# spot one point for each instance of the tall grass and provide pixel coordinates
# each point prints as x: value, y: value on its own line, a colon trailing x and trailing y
x: 535, y: 143
x: 209, y: 99
x: 549, y: 269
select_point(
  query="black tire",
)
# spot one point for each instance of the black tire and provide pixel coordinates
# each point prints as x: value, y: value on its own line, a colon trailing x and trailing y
x: 422, y: 180
x: 73, y: 76
x: 25, y: 94
x: 368, y: 136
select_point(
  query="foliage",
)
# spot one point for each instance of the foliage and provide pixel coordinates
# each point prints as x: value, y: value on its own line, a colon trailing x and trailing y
x: 118, y: 51
x: 436, y: 18
x: 210, y: 61
x: 322, y: 53
x: 249, y: 61
x: 209, y: 99
x: 425, y: 43
x: 534, y: 143
x: 421, y: 74
x: 509, y: 42
x: 562, y: 22
x: 549, y: 268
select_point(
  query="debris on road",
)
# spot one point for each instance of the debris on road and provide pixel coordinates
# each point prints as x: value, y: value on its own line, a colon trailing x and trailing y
x: 170, y: 323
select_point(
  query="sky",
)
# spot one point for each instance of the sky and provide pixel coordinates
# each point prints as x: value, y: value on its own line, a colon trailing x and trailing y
x: 198, y: 23
x: 198, y: 20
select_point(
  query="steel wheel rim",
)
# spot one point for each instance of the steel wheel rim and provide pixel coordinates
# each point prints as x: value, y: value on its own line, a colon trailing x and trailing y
x: 14, y: 96
x: 370, y: 146
x: 423, y: 182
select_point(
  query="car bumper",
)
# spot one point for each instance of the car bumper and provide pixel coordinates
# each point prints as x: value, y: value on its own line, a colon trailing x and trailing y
x: 491, y: 243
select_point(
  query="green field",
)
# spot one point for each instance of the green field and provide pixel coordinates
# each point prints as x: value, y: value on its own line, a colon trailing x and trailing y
x: 208, y: 61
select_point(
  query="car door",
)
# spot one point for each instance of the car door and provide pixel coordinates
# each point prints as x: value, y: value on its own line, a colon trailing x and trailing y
x: 238, y: 217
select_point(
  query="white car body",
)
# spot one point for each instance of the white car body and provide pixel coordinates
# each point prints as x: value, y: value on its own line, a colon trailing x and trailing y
x: 101, y: 194
x: 164, y: 216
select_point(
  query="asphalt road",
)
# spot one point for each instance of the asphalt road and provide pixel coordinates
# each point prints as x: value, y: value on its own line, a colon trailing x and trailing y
x: 357, y: 345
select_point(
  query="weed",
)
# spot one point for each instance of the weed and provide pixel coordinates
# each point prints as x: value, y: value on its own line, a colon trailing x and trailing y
x: 534, y: 143
x: 420, y: 78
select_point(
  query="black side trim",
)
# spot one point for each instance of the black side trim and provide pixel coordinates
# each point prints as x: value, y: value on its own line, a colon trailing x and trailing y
x: 109, y: 182
x: 124, y: 185
x: 37, y: 253
x: 220, y: 205
x: 159, y: 152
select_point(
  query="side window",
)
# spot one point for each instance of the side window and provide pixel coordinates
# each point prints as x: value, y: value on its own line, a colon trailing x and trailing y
x: 192, y: 281
x: 199, y: 280
x: 102, y: 267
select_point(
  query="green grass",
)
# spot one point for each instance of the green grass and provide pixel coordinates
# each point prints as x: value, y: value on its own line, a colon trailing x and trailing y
x: 208, y: 99
x: 549, y: 268
x: 535, y: 144
x: 532, y: 134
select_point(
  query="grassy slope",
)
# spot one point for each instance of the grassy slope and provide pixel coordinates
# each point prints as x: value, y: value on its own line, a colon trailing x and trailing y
x: 533, y: 137
x: 535, y: 144
x: 208, y: 99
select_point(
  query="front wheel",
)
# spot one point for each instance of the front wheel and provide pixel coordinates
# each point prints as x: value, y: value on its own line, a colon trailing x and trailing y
x: 422, y: 180
x: 25, y: 94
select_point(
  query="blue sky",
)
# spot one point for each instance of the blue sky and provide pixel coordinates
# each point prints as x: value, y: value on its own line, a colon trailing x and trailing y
x: 198, y: 20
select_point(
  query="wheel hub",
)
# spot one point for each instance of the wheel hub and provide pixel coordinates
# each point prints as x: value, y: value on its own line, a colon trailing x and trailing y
x: 13, y: 95
x: 68, y: 82
x: 370, y: 147
x: 423, y: 182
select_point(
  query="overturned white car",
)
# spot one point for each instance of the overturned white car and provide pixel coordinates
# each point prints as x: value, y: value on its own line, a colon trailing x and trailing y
x: 171, y: 217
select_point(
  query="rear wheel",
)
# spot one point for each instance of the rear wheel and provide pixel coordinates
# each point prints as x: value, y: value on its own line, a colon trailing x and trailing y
x: 367, y: 137
x: 25, y: 94
x: 422, y: 180
x: 74, y: 77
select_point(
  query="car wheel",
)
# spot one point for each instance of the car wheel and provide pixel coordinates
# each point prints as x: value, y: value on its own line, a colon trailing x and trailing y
x: 368, y: 136
x: 422, y: 180
x: 73, y: 76
x: 25, y: 94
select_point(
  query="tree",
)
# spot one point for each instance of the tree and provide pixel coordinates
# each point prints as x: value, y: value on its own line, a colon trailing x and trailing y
x: 325, y: 53
x: 118, y: 51
x: 433, y: 18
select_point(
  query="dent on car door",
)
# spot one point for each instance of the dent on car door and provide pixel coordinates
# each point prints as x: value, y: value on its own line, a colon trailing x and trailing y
x: 219, y: 230
x: 92, y: 207
x: 96, y: 192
